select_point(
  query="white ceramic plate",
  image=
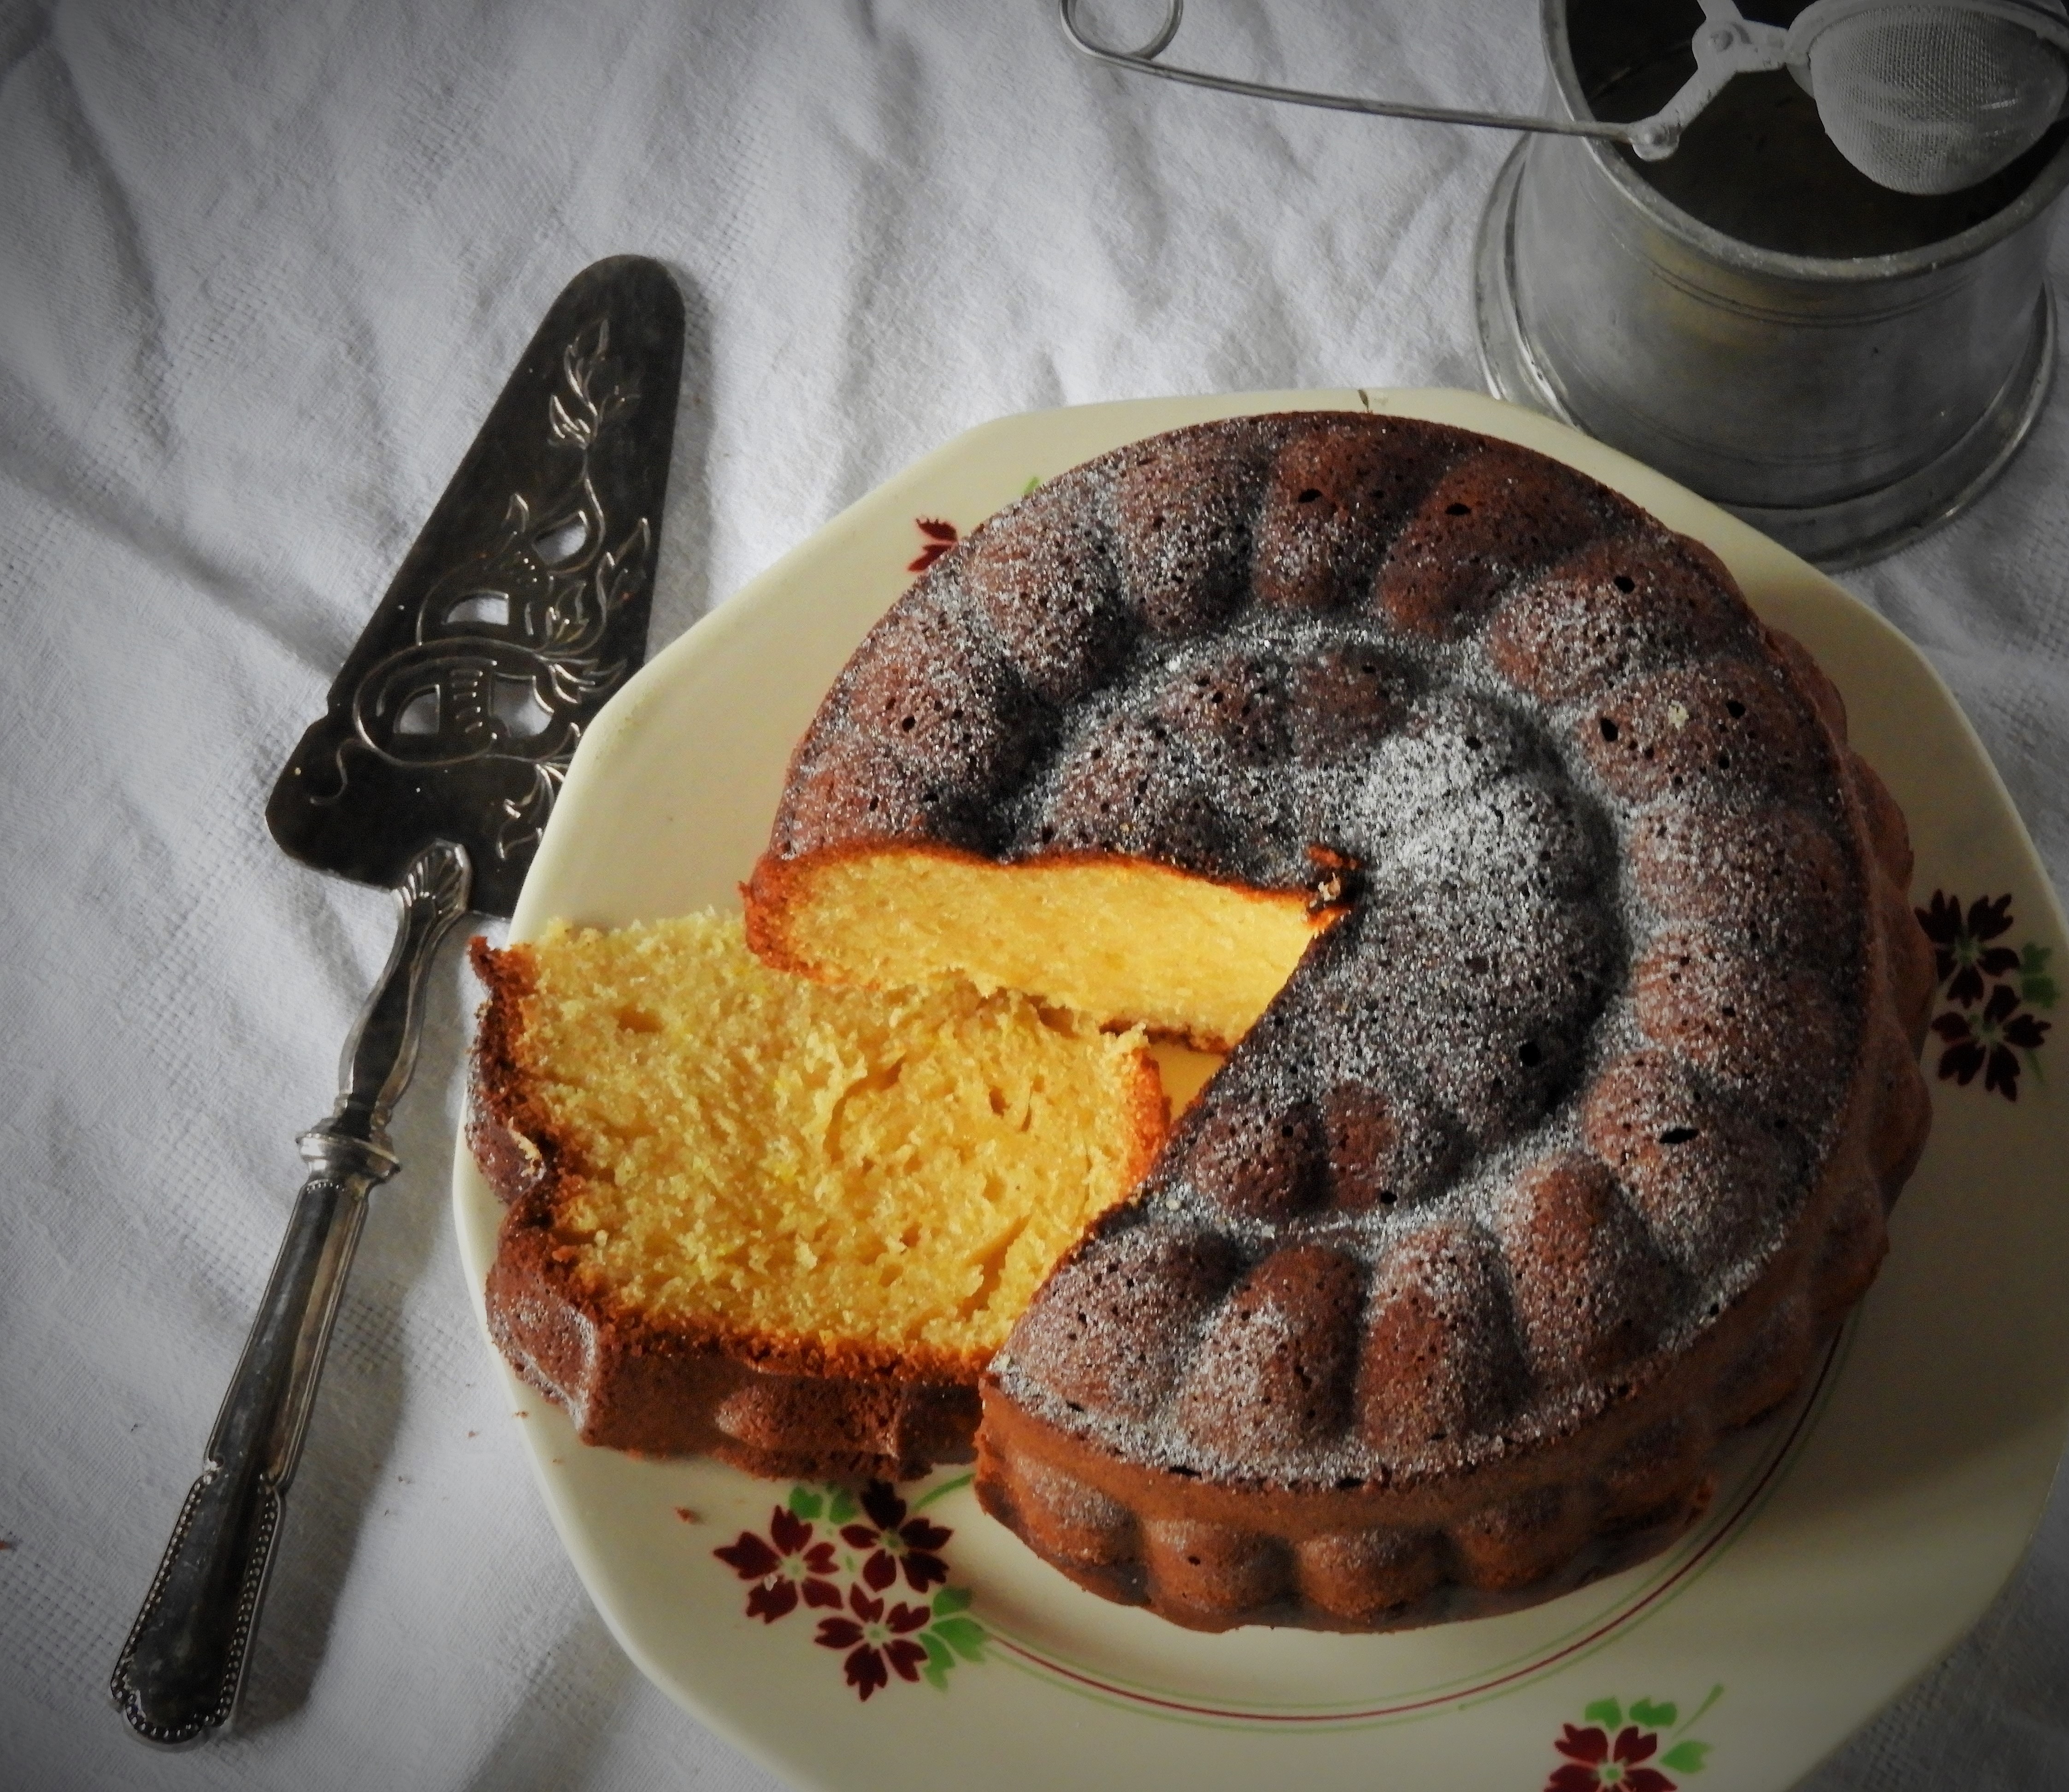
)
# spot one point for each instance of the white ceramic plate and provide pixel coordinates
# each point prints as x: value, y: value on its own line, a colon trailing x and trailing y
x: 1851, y: 1546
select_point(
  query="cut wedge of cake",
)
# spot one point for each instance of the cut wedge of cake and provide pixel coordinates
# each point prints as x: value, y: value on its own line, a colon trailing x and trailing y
x: 783, y: 1224
x: 1124, y: 942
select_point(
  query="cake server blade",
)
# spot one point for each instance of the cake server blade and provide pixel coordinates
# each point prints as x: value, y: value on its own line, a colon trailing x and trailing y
x: 521, y: 607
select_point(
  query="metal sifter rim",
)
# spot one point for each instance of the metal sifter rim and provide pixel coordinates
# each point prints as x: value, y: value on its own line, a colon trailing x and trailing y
x: 2045, y: 18
x: 1713, y: 245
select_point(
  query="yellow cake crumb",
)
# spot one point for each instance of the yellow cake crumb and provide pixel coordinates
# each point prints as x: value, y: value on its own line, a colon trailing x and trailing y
x: 759, y: 1150
x: 1120, y: 939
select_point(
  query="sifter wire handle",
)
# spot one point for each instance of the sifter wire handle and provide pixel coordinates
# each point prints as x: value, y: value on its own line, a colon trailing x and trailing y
x: 1651, y: 139
x: 1727, y: 44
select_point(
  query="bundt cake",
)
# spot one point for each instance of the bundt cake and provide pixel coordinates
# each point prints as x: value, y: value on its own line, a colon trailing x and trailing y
x: 784, y: 1224
x: 1562, y: 948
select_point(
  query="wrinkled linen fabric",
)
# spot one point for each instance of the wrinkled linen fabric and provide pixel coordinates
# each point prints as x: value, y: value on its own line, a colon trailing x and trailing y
x: 262, y: 269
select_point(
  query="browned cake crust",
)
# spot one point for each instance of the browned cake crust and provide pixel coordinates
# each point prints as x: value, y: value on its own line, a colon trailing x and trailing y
x: 1561, y: 1154
x: 773, y: 1406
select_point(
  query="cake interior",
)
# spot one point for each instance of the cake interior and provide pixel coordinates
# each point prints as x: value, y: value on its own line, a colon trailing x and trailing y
x: 1119, y: 940
x: 766, y: 1154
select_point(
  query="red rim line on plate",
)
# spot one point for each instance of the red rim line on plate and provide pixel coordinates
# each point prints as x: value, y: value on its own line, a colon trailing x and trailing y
x: 1726, y: 1530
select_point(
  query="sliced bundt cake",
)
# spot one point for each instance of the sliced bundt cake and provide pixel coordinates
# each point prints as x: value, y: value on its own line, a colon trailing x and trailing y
x: 1561, y: 942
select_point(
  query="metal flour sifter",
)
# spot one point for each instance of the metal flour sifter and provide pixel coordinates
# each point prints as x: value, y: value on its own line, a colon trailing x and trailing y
x: 1795, y: 264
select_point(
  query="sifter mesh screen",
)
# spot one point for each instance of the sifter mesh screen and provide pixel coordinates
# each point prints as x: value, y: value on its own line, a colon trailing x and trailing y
x: 1932, y: 98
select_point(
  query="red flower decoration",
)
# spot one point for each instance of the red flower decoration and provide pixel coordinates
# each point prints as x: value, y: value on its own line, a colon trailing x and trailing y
x: 1960, y: 954
x: 1985, y: 1042
x: 1593, y: 1760
x: 893, y: 1539
x: 1989, y: 1038
x: 878, y: 1643
x: 848, y: 1575
x: 788, y: 1564
x: 940, y: 537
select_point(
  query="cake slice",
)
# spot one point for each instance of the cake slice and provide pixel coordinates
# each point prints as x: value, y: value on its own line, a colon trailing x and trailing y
x: 780, y: 1222
x: 1125, y: 940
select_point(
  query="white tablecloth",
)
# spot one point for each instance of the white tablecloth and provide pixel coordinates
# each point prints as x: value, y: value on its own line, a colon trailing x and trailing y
x: 261, y: 269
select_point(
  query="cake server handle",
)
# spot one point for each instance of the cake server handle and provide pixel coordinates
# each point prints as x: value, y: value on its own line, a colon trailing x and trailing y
x: 178, y: 1674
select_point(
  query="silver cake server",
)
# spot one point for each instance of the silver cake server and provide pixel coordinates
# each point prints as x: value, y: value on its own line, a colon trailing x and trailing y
x: 522, y: 605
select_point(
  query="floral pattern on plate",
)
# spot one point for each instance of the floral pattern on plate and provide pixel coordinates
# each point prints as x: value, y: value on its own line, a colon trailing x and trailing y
x: 1993, y: 989
x: 1638, y: 1751
x: 939, y: 536
x: 852, y: 1569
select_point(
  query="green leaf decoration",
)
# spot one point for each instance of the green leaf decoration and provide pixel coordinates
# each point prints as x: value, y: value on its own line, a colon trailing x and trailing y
x: 964, y: 1635
x: 1654, y: 1717
x: 942, y: 1492
x: 1030, y: 485
x: 939, y: 1661
x: 1606, y: 1712
x: 805, y: 1503
x: 1716, y: 1692
x: 2036, y: 988
x: 843, y: 1507
x: 951, y: 1600
x: 1685, y: 1757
